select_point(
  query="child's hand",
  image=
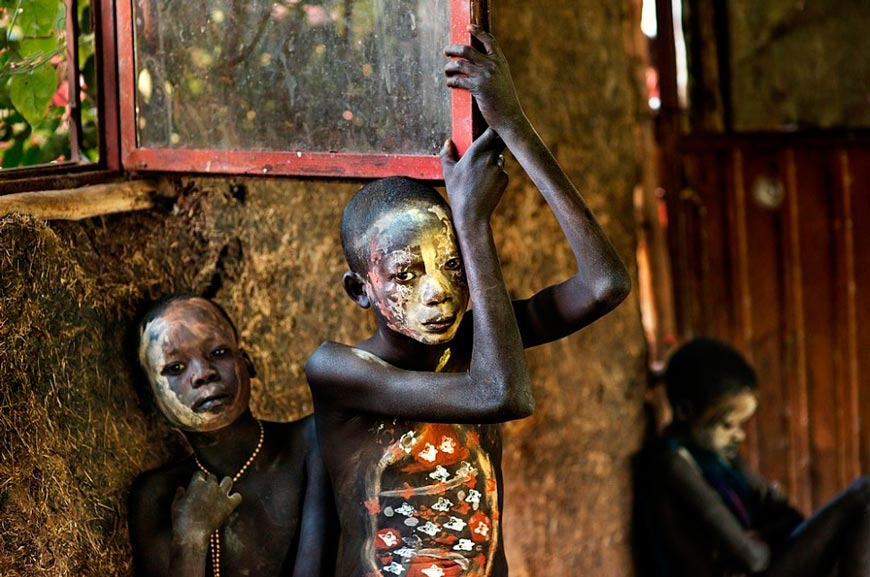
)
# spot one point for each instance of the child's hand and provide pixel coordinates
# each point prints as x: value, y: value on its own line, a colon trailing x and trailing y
x: 487, y: 76
x: 203, y: 507
x: 476, y: 182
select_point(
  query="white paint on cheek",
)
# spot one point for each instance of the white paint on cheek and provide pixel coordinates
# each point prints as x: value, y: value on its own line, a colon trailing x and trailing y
x: 153, y: 341
x: 173, y: 408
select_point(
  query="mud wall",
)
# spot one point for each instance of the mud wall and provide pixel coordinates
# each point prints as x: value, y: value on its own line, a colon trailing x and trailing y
x: 74, y: 430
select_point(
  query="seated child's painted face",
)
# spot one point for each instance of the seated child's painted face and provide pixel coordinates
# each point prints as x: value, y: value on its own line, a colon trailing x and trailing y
x: 198, y: 375
x: 721, y: 427
x: 415, y: 278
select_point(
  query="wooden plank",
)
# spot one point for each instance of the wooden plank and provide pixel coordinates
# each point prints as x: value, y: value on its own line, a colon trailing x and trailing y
x: 795, y: 340
x: 742, y: 299
x: 859, y: 171
x: 761, y: 270
x: 845, y: 343
x: 817, y: 263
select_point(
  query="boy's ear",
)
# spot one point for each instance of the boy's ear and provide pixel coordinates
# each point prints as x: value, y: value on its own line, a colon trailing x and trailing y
x: 355, y: 287
x: 249, y: 364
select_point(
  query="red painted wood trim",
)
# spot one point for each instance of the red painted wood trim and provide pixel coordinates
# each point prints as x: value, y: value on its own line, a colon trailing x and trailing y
x: 107, y: 60
x: 460, y: 18
x: 334, y: 165
x: 126, y: 80
x: 299, y: 163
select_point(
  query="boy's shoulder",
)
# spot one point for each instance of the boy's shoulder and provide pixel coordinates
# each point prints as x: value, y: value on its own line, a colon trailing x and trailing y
x: 329, y: 362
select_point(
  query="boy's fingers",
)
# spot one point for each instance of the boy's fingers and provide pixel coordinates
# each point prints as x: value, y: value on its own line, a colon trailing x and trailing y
x: 455, y: 67
x: 459, y: 81
x: 235, y: 499
x: 449, y: 157
x: 226, y: 484
x: 462, y: 51
x: 487, y: 39
x: 490, y: 141
x: 448, y: 151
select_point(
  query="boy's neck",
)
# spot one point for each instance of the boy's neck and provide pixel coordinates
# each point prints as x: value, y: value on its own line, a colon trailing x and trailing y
x: 224, y: 451
x: 402, y: 351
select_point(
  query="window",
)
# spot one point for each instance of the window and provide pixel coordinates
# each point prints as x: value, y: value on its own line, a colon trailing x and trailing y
x: 318, y: 88
x: 52, y: 98
x: 338, y: 88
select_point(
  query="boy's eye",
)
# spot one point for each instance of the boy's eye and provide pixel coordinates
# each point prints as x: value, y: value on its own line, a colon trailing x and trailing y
x: 453, y: 264
x: 403, y: 276
x: 172, y: 369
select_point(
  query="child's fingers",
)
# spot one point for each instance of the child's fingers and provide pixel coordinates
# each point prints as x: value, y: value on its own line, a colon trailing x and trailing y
x: 490, y: 142
x: 459, y: 81
x: 455, y: 67
x: 487, y: 39
x: 449, y: 157
x: 463, y: 51
x: 226, y: 485
x: 235, y: 500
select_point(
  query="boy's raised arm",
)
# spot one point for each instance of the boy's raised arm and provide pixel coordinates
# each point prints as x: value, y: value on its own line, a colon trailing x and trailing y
x: 602, y: 281
x: 496, y: 386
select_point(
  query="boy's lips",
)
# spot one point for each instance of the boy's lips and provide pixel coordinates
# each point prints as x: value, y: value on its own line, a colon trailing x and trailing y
x: 440, y: 324
x: 211, y: 402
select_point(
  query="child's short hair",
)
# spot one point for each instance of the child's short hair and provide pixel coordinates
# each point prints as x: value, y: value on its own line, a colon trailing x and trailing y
x: 705, y: 370
x: 373, y: 200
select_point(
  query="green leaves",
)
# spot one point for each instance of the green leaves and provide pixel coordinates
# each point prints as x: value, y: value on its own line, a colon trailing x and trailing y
x: 41, y: 18
x: 31, y: 93
x: 36, y: 33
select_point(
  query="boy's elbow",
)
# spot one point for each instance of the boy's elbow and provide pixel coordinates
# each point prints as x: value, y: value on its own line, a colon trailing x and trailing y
x: 610, y: 292
x: 516, y: 406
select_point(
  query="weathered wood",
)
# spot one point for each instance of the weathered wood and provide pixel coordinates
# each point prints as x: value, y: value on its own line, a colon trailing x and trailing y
x: 84, y: 202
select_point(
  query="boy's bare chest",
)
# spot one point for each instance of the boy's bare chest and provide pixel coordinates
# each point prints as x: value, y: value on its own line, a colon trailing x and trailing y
x: 432, y: 498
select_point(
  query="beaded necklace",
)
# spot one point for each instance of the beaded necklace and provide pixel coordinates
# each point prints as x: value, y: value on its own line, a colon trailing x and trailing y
x: 214, y: 540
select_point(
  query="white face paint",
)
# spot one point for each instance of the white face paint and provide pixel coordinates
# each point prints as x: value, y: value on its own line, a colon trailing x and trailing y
x: 721, y: 428
x: 197, y: 373
x: 415, y: 279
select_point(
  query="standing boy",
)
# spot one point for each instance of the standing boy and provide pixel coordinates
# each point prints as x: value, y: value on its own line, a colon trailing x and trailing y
x: 184, y: 522
x: 405, y: 417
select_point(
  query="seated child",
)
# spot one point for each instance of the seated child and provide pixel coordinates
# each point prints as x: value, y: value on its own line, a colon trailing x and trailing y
x: 281, y: 519
x: 706, y: 514
x: 405, y: 417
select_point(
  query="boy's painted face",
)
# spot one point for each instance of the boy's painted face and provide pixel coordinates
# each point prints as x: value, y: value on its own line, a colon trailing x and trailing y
x: 720, y: 427
x: 198, y: 375
x: 415, y: 278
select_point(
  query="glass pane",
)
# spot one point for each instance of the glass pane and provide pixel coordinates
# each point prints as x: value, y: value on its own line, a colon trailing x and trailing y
x: 335, y: 75
x: 37, y: 122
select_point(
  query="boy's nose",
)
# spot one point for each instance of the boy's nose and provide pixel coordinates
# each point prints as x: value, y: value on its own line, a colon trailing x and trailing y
x: 434, y: 290
x: 203, y: 373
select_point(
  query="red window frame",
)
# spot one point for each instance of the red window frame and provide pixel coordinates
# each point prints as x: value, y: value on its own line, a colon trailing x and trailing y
x: 295, y: 163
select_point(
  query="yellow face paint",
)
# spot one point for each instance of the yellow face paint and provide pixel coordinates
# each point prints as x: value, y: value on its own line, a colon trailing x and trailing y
x: 415, y: 279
